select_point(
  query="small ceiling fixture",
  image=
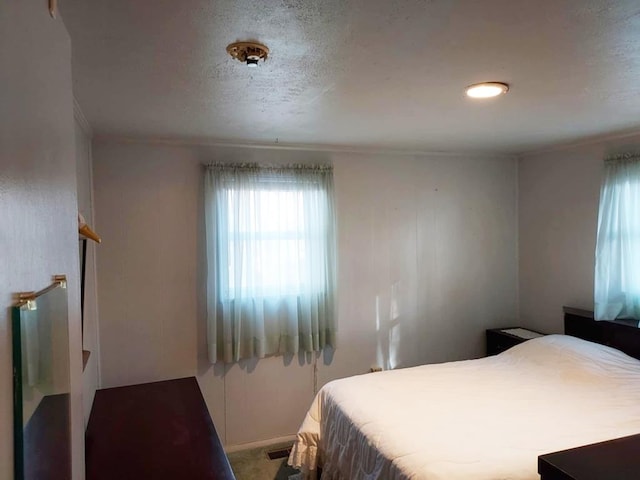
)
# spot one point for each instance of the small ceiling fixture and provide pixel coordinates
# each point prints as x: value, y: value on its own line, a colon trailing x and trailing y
x: 486, y: 89
x: 248, y: 52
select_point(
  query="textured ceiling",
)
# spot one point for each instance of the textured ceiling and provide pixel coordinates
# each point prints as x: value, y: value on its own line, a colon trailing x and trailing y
x: 360, y: 73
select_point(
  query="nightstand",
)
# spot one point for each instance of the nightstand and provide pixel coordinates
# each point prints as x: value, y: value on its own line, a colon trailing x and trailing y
x: 612, y: 460
x: 501, y: 339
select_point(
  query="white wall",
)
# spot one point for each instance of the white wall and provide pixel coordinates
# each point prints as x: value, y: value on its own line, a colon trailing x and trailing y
x: 38, y: 228
x: 146, y: 207
x: 84, y: 174
x: 434, y: 234
x: 559, y: 192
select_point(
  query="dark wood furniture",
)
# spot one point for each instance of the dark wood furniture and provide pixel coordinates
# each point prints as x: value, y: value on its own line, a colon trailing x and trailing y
x: 499, y: 339
x: 157, y: 431
x: 615, y: 459
x: 612, y: 460
x: 621, y: 334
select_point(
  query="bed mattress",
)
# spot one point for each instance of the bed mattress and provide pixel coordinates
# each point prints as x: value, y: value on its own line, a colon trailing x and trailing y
x: 483, y: 419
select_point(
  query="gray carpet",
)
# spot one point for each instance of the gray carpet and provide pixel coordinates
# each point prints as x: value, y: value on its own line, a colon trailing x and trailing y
x: 255, y: 465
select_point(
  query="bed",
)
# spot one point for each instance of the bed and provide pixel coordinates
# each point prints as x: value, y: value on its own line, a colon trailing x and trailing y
x: 481, y: 419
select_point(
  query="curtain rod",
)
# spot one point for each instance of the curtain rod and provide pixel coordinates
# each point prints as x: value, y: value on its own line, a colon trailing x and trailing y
x: 263, y: 166
x: 623, y: 157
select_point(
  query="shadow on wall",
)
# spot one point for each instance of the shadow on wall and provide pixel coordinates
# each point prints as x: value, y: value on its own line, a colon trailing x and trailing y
x: 304, y: 358
x: 388, y: 332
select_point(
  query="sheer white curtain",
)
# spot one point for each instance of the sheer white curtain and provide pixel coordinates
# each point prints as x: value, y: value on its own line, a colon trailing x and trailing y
x: 271, y: 255
x: 617, y: 275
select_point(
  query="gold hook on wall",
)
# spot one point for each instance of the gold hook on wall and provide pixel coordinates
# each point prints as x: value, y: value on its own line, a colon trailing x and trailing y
x: 61, y: 280
x: 28, y: 299
x: 53, y: 5
x: 86, y: 231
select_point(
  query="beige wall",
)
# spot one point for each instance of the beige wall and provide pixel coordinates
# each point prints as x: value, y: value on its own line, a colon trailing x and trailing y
x: 38, y: 229
x: 559, y: 192
x: 435, y: 234
x: 146, y: 207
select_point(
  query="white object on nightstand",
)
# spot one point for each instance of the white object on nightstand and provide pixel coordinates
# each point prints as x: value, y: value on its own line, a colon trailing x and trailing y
x: 522, y: 333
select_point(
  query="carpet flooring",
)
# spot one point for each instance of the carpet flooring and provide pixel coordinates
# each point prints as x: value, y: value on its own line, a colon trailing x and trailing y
x: 254, y: 464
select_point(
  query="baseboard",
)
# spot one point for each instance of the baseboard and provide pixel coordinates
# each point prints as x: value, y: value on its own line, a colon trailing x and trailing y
x: 259, y: 444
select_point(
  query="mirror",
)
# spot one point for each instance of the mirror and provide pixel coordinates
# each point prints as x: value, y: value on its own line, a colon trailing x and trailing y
x: 42, y: 433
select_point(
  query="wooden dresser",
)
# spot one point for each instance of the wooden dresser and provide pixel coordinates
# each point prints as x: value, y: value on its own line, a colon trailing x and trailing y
x: 159, y: 431
x: 611, y: 460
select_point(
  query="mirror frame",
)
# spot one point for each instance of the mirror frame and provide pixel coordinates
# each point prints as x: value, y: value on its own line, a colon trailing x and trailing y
x: 18, y: 414
x: 59, y: 281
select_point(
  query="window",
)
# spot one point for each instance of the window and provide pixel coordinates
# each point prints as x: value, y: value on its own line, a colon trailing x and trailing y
x: 271, y: 260
x: 617, y: 275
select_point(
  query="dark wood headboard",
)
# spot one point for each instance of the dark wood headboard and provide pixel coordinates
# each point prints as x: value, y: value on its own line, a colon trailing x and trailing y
x: 621, y: 334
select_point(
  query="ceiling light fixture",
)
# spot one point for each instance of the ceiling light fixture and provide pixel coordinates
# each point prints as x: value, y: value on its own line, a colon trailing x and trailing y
x: 486, y: 89
x: 248, y: 52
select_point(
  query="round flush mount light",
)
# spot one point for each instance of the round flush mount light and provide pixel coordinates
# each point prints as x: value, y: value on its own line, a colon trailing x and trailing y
x: 248, y: 52
x: 486, y: 89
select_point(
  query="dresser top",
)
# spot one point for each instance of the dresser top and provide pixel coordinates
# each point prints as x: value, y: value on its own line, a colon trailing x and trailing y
x: 616, y: 459
x: 159, y: 430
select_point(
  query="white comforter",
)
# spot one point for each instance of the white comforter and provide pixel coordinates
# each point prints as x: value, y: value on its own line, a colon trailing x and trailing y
x: 482, y: 419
